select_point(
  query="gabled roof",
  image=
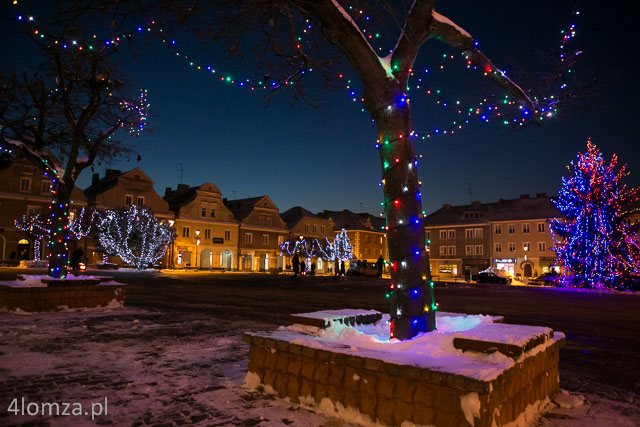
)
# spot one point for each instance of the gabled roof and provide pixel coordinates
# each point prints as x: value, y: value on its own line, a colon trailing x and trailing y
x: 466, y: 214
x: 294, y: 215
x: 183, y: 195
x: 241, y: 208
x: 112, y: 177
x: 525, y: 208
x: 352, y: 221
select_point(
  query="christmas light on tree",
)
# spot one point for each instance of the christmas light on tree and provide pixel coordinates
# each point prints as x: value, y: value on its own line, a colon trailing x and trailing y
x: 341, y: 248
x: 134, y: 235
x: 593, y: 243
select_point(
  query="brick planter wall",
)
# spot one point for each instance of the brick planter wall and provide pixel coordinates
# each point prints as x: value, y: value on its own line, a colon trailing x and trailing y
x: 33, y: 299
x: 393, y: 393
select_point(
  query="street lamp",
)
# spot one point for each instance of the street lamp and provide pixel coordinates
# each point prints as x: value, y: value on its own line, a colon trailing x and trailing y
x: 171, y: 222
x: 197, y: 244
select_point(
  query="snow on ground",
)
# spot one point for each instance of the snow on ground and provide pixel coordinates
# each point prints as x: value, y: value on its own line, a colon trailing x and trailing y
x: 178, y: 367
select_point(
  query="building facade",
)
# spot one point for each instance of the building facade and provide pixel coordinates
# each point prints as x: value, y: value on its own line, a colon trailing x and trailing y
x: 207, y: 232
x: 366, y: 233
x: 119, y: 189
x: 25, y: 190
x: 261, y: 232
x: 459, y: 240
x: 302, y: 224
x: 512, y: 235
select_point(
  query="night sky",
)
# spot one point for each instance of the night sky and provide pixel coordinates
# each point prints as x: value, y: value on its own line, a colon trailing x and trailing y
x: 325, y: 158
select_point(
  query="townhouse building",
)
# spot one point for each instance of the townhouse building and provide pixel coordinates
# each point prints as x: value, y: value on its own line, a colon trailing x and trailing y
x: 119, y: 189
x: 511, y: 235
x: 25, y: 190
x: 303, y: 224
x: 207, y: 231
x: 261, y: 232
x: 521, y: 238
x: 459, y: 240
x: 366, y: 233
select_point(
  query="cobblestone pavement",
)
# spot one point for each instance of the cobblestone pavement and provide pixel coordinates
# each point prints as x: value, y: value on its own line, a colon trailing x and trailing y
x: 175, y: 356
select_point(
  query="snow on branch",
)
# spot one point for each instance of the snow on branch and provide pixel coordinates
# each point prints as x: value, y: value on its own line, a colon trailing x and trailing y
x: 448, y: 32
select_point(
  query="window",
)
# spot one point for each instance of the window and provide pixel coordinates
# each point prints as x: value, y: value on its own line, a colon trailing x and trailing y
x: 541, y: 227
x: 542, y: 246
x: 269, y: 222
x: 428, y: 235
x: 185, y: 231
x: 512, y: 228
x: 203, y: 211
x: 479, y: 250
x: 452, y: 250
x: 526, y: 246
x: 443, y: 234
x: 128, y: 200
x: 366, y: 238
x: 443, y: 251
x: 525, y: 227
x: 497, y: 229
x: 468, y: 249
x: 498, y: 247
x: 452, y: 234
x: 46, y: 187
x: 280, y: 240
x: 306, y: 228
x: 248, y: 238
x: 140, y: 201
x: 227, y: 234
x: 25, y: 184
x: 322, y: 229
x: 381, y: 241
x: 512, y: 246
x: 207, y: 233
x: 477, y: 233
x: 261, y: 220
x: 315, y: 228
x: 468, y: 233
x: 212, y: 213
x: 265, y: 239
x: 366, y: 252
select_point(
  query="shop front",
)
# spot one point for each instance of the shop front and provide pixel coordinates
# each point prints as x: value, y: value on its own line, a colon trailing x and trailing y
x: 506, y: 264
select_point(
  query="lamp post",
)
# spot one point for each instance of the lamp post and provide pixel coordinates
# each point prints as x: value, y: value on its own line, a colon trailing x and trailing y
x: 171, y: 222
x: 197, y: 244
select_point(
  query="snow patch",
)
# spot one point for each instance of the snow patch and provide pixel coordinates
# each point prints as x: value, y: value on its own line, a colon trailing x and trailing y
x: 568, y: 401
x: 470, y: 404
x: 447, y: 21
x: 531, y: 413
x: 252, y: 380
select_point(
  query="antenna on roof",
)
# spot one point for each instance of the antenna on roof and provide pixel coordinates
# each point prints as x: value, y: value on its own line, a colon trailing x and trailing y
x: 470, y: 193
x: 361, y: 207
x: 234, y: 194
x: 181, y: 176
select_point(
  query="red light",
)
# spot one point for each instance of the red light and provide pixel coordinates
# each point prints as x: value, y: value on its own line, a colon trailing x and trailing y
x: 401, y: 136
x: 397, y: 202
x: 392, y: 286
x: 397, y: 160
x: 487, y: 69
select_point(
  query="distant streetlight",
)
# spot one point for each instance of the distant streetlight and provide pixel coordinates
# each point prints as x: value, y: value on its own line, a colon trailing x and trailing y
x: 197, y: 244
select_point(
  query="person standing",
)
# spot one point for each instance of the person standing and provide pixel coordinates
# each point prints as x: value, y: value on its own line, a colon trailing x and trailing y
x: 342, y: 270
x: 379, y: 265
x: 336, y: 269
x: 313, y: 269
x: 295, y: 264
x: 303, y: 268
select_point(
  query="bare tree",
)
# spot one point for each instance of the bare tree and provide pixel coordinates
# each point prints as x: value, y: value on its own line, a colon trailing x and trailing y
x: 69, y: 110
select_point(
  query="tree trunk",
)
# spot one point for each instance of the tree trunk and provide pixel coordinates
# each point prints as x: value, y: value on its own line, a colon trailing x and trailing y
x: 412, y: 303
x: 59, y: 233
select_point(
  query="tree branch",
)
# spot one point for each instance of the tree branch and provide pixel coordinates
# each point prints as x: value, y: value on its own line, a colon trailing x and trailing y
x: 448, y: 32
x: 414, y: 34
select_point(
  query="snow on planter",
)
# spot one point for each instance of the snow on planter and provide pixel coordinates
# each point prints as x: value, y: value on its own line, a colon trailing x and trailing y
x: 425, y: 380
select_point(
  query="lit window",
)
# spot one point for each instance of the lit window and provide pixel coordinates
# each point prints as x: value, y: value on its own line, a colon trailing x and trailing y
x: 526, y: 246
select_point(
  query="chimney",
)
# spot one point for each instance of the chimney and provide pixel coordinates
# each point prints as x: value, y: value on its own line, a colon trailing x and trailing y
x: 112, y: 172
x: 224, y: 200
x: 182, y: 186
x: 95, y: 178
x: 541, y: 195
x: 167, y: 191
x: 446, y: 206
x: 524, y: 196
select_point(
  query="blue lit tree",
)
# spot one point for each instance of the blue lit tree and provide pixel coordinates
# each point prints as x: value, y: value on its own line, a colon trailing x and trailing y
x: 594, y: 244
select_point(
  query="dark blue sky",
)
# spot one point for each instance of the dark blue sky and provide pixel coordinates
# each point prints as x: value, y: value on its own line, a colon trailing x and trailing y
x: 325, y: 158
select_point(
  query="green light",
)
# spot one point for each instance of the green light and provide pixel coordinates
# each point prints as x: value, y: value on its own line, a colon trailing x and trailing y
x: 228, y: 79
x: 387, y: 296
x: 386, y: 165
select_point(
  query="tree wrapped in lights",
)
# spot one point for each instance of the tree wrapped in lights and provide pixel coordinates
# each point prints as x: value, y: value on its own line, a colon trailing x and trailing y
x: 36, y: 228
x: 63, y: 118
x: 593, y: 243
x: 134, y: 235
x: 306, y: 249
x: 341, y: 248
x: 80, y: 226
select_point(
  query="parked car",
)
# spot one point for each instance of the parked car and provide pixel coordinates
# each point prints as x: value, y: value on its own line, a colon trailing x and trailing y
x: 362, y: 268
x: 489, y: 277
x: 546, y: 279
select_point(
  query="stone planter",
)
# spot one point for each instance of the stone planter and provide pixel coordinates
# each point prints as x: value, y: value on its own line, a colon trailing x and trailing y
x: 392, y: 393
